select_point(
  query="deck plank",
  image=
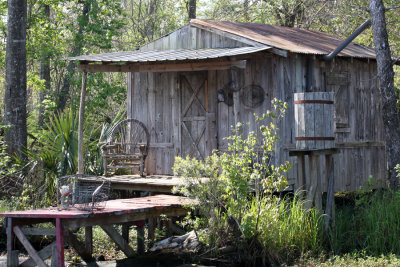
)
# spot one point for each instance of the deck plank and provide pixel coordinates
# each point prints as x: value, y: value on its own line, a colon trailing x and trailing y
x: 151, y: 183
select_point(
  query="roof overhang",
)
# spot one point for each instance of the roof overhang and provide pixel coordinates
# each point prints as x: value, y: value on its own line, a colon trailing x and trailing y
x: 166, y: 61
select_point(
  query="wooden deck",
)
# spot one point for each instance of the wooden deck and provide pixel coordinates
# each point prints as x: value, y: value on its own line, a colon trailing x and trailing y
x: 119, y: 211
x: 151, y: 183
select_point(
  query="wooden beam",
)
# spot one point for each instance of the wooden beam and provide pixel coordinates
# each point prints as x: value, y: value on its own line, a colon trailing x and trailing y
x: 166, y: 67
x: 123, y: 218
x: 80, y: 125
x: 79, y: 248
x: 38, y: 231
x: 359, y: 144
x: 45, y: 253
x: 119, y: 240
x: 28, y: 246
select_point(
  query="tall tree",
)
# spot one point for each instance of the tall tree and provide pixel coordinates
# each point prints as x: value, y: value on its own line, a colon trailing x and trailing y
x: 391, y: 117
x: 15, y: 91
x: 44, y: 72
x: 83, y: 20
x: 191, y: 7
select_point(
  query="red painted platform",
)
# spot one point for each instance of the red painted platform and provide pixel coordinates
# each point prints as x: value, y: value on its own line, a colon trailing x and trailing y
x: 113, y: 207
x: 120, y: 211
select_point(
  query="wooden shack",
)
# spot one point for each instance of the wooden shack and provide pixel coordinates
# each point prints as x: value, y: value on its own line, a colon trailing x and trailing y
x: 191, y: 85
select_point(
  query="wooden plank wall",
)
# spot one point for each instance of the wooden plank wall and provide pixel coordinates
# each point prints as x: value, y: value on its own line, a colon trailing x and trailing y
x: 358, y: 118
x: 155, y: 100
x: 359, y: 125
x: 273, y: 74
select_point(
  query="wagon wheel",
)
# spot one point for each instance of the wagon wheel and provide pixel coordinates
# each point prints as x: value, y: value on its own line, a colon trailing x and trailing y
x: 133, y: 138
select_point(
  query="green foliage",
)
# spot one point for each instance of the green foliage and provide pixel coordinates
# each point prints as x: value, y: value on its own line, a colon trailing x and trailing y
x: 354, y: 259
x: 58, y: 148
x: 286, y: 228
x: 371, y: 225
x: 238, y: 200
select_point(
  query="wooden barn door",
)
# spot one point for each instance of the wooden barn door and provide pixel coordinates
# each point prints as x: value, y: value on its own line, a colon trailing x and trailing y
x: 198, y: 129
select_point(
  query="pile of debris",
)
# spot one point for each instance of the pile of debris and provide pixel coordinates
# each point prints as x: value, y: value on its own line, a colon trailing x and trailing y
x: 186, y: 243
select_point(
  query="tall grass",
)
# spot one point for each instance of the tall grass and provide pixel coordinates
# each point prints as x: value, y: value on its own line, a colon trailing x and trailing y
x: 288, y: 230
x: 372, y: 225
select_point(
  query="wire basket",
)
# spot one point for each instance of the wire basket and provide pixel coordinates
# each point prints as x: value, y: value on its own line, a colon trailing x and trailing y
x: 88, y: 192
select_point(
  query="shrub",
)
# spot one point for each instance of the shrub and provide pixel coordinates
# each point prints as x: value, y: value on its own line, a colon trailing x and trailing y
x: 239, y: 202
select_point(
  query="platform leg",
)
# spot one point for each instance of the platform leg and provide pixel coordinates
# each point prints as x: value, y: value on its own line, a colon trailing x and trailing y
x: 330, y: 197
x: 60, y: 242
x: 140, y: 236
x: 150, y: 231
x: 89, y: 239
x: 125, y: 232
x: 10, y: 244
x: 301, y: 175
x: 169, y: 227
x: 12, y: 258
x: 313, y: 183
x: 318, y: 187
x: 54, y: 256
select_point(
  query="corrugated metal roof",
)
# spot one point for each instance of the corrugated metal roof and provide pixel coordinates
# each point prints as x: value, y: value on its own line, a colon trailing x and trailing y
x: 169, y: 55
x: 292, y: 39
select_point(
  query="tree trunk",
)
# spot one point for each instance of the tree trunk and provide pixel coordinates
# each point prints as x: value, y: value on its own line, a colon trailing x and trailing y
x: 44, y: 74
x: 246, y: 11
x: 15, y: 91
x: 391, y: 117
x: 191, y: 7
x: 76, y: 50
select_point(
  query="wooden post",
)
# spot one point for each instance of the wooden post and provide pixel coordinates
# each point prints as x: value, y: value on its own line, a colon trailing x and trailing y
x: 313, y: 182
x: 54, y: 254
x: 60, y: 242
x: 28, y: 246
x: 89, y: 239
x: 301, y: 175
x: 12, y: 255
x: 330, y: 197
x: 80, y: 126
x: 12, y: 258
x: 125, y: 232
x: 140, y: 236
x: 169, y: 227
x: 117, y: 238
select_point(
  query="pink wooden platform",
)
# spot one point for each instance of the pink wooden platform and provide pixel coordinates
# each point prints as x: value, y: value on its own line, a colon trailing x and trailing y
x: 118, y: 211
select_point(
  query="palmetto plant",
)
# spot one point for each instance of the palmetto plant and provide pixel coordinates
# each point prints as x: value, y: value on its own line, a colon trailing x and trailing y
x: 59, y: 144
x: 57, y: 150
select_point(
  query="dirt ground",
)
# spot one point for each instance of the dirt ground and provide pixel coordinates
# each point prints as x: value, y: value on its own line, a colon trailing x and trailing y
x: 146, y: 262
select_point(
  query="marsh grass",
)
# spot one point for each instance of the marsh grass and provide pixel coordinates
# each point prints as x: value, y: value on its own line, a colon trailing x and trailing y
x: 288, y: 230
x: 371, y: 225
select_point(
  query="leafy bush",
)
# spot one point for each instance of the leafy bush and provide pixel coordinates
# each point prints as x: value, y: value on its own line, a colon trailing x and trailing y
x: 238, y: 200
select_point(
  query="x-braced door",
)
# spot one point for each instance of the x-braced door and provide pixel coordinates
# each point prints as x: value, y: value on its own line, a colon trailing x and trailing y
x: 195, y: 116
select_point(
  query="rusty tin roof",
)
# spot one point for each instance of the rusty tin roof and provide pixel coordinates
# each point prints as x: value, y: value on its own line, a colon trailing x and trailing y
x: 292, y: 39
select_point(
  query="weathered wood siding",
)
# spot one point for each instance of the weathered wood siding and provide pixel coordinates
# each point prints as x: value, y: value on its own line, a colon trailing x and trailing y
x: 158, y: 101
x: 189, y: 37
x: 153, y: 99
x: 358, y: 118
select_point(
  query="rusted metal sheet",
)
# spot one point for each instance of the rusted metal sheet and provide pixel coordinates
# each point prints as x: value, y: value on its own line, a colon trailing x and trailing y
x: 169, y: 55
x: 292, y: 39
